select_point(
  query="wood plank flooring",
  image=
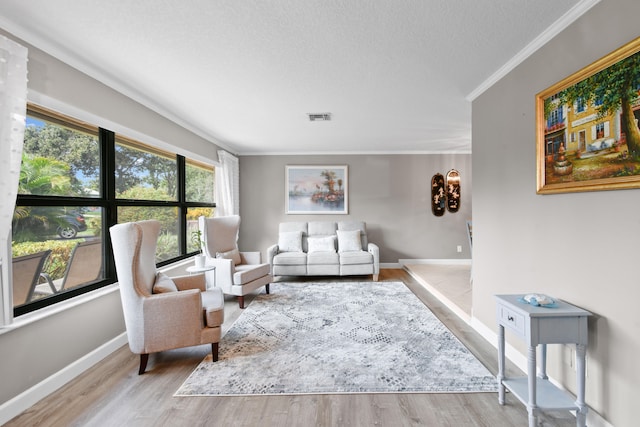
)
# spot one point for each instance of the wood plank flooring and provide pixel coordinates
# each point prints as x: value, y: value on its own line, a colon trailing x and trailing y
x: 112, y: 394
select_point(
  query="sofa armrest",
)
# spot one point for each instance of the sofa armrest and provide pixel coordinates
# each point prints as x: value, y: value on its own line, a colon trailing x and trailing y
x: 271, y: 252
x: 251, y: 257
x: 373, y: 249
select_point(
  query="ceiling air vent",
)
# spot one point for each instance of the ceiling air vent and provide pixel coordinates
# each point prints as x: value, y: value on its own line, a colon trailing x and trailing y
x: 319, y: 117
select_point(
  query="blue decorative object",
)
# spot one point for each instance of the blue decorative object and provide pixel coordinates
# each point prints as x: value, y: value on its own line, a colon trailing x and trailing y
x: 538, y: 300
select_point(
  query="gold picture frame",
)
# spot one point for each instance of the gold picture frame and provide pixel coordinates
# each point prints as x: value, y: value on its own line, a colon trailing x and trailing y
x: 587, y: 135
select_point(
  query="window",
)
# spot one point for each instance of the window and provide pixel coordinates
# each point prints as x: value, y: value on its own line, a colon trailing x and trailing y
x: 580, y: 105
x: 76, y: 181
x: 59, y: 159
x: 143, y: 173
x: 199, y: 179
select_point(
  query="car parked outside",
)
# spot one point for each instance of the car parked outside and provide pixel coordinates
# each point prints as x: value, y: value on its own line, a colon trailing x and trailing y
x: 70, y: 225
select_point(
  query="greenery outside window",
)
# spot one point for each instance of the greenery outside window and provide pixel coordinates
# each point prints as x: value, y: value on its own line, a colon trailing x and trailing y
x: 76, y: 181
x: 144, y: 173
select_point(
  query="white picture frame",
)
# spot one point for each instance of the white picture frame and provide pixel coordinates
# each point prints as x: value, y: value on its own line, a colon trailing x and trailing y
x: 317, y: 189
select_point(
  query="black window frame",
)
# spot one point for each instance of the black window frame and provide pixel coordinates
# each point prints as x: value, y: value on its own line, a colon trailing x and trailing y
x: 109, y: 204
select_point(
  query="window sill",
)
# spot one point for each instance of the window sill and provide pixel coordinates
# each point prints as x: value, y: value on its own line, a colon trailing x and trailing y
x: 38, y: 315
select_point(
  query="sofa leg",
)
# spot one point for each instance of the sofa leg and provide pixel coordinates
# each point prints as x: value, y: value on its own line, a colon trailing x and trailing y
x: 241, y: 302
x: 144, y: 358
x: 214, y: 351
x: 267, y: 288
x: 375, y: 277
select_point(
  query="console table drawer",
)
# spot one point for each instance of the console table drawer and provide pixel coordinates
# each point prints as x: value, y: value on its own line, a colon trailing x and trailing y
x: 511, y: 319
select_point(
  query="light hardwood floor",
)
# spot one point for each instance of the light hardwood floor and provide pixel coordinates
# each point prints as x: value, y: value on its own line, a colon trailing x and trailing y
x: 112, y: 394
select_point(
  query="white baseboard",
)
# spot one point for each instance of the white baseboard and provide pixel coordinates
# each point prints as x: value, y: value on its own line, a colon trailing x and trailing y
x: 441, y: 297
x: 390, y: 265
x: 455, y: 261
x: 33, y: 395
x: 593, y: 418
x: 402, y: 262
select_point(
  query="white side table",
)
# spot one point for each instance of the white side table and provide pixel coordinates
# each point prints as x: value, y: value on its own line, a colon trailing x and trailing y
x: 192, y: 269
x: 562, y: 324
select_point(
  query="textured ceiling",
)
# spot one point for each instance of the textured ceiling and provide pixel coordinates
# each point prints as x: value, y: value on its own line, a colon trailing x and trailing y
x: 397, y: 76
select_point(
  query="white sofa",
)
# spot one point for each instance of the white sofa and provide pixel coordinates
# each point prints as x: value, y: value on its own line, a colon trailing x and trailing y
x: 324, y: 248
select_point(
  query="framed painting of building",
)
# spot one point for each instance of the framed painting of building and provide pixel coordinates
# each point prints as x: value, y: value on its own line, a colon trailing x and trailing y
x: 587, y: 127
x: 317, y: 190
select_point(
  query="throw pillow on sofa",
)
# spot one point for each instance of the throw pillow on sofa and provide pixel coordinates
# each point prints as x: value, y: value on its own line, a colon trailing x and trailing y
x: 322, y: 244
x: 349, y: 241
x: 290, y: 241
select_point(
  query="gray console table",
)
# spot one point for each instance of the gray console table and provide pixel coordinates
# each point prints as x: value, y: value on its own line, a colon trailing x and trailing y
x: 562, y: 324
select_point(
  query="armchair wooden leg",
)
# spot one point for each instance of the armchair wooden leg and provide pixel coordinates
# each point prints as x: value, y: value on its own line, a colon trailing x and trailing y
x: 267, y: 288
x: 241, y: 301
x: 144, y: 358
x: 214, y: 351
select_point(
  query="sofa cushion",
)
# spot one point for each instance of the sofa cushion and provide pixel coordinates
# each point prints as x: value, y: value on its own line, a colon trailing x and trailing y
x: 315, y: 258
x: 321, y: 244
x: 290, y: 258
x: 349, y: 241
x: 164, y: 284
x: 356, y: 257
x: 290, y: 270
x: 290, y: 241
x: 323, y: 269
x: 322, y: 228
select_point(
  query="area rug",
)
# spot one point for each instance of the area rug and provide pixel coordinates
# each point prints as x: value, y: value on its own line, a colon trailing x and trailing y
x: 339, y: 337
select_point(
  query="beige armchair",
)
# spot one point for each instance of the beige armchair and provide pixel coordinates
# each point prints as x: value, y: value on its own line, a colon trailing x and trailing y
x: 161, y: 313
x: 237, y: 273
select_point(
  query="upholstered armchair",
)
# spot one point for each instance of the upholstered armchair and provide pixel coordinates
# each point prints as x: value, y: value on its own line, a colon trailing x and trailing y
x: 236, y: 273
x: 161, y: 313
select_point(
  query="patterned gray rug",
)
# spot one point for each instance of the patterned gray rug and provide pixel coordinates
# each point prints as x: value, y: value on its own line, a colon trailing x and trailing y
x: 343, y: 337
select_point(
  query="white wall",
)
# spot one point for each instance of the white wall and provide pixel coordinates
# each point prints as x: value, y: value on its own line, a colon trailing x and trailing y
x: 35, y: 351
x: 580, y: 247
x: 390, y: 192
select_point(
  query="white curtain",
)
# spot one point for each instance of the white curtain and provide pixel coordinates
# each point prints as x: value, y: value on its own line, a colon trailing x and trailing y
x: 13, y: 110
x: 227, y: 189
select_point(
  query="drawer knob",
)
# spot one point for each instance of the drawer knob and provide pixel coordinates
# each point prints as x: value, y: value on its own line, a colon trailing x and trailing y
x: 510, y: 318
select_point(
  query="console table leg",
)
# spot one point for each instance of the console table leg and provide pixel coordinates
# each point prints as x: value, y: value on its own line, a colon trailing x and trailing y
x: 581, y: 414
x: 543, y: 362
x: 532, y: 406
x: 500, y: 364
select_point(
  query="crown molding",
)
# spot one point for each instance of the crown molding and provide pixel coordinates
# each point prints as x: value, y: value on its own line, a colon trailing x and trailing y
x: 50, y: 47
x: 556, y: 28
x: 85, y: 116
x: 348, y: 153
